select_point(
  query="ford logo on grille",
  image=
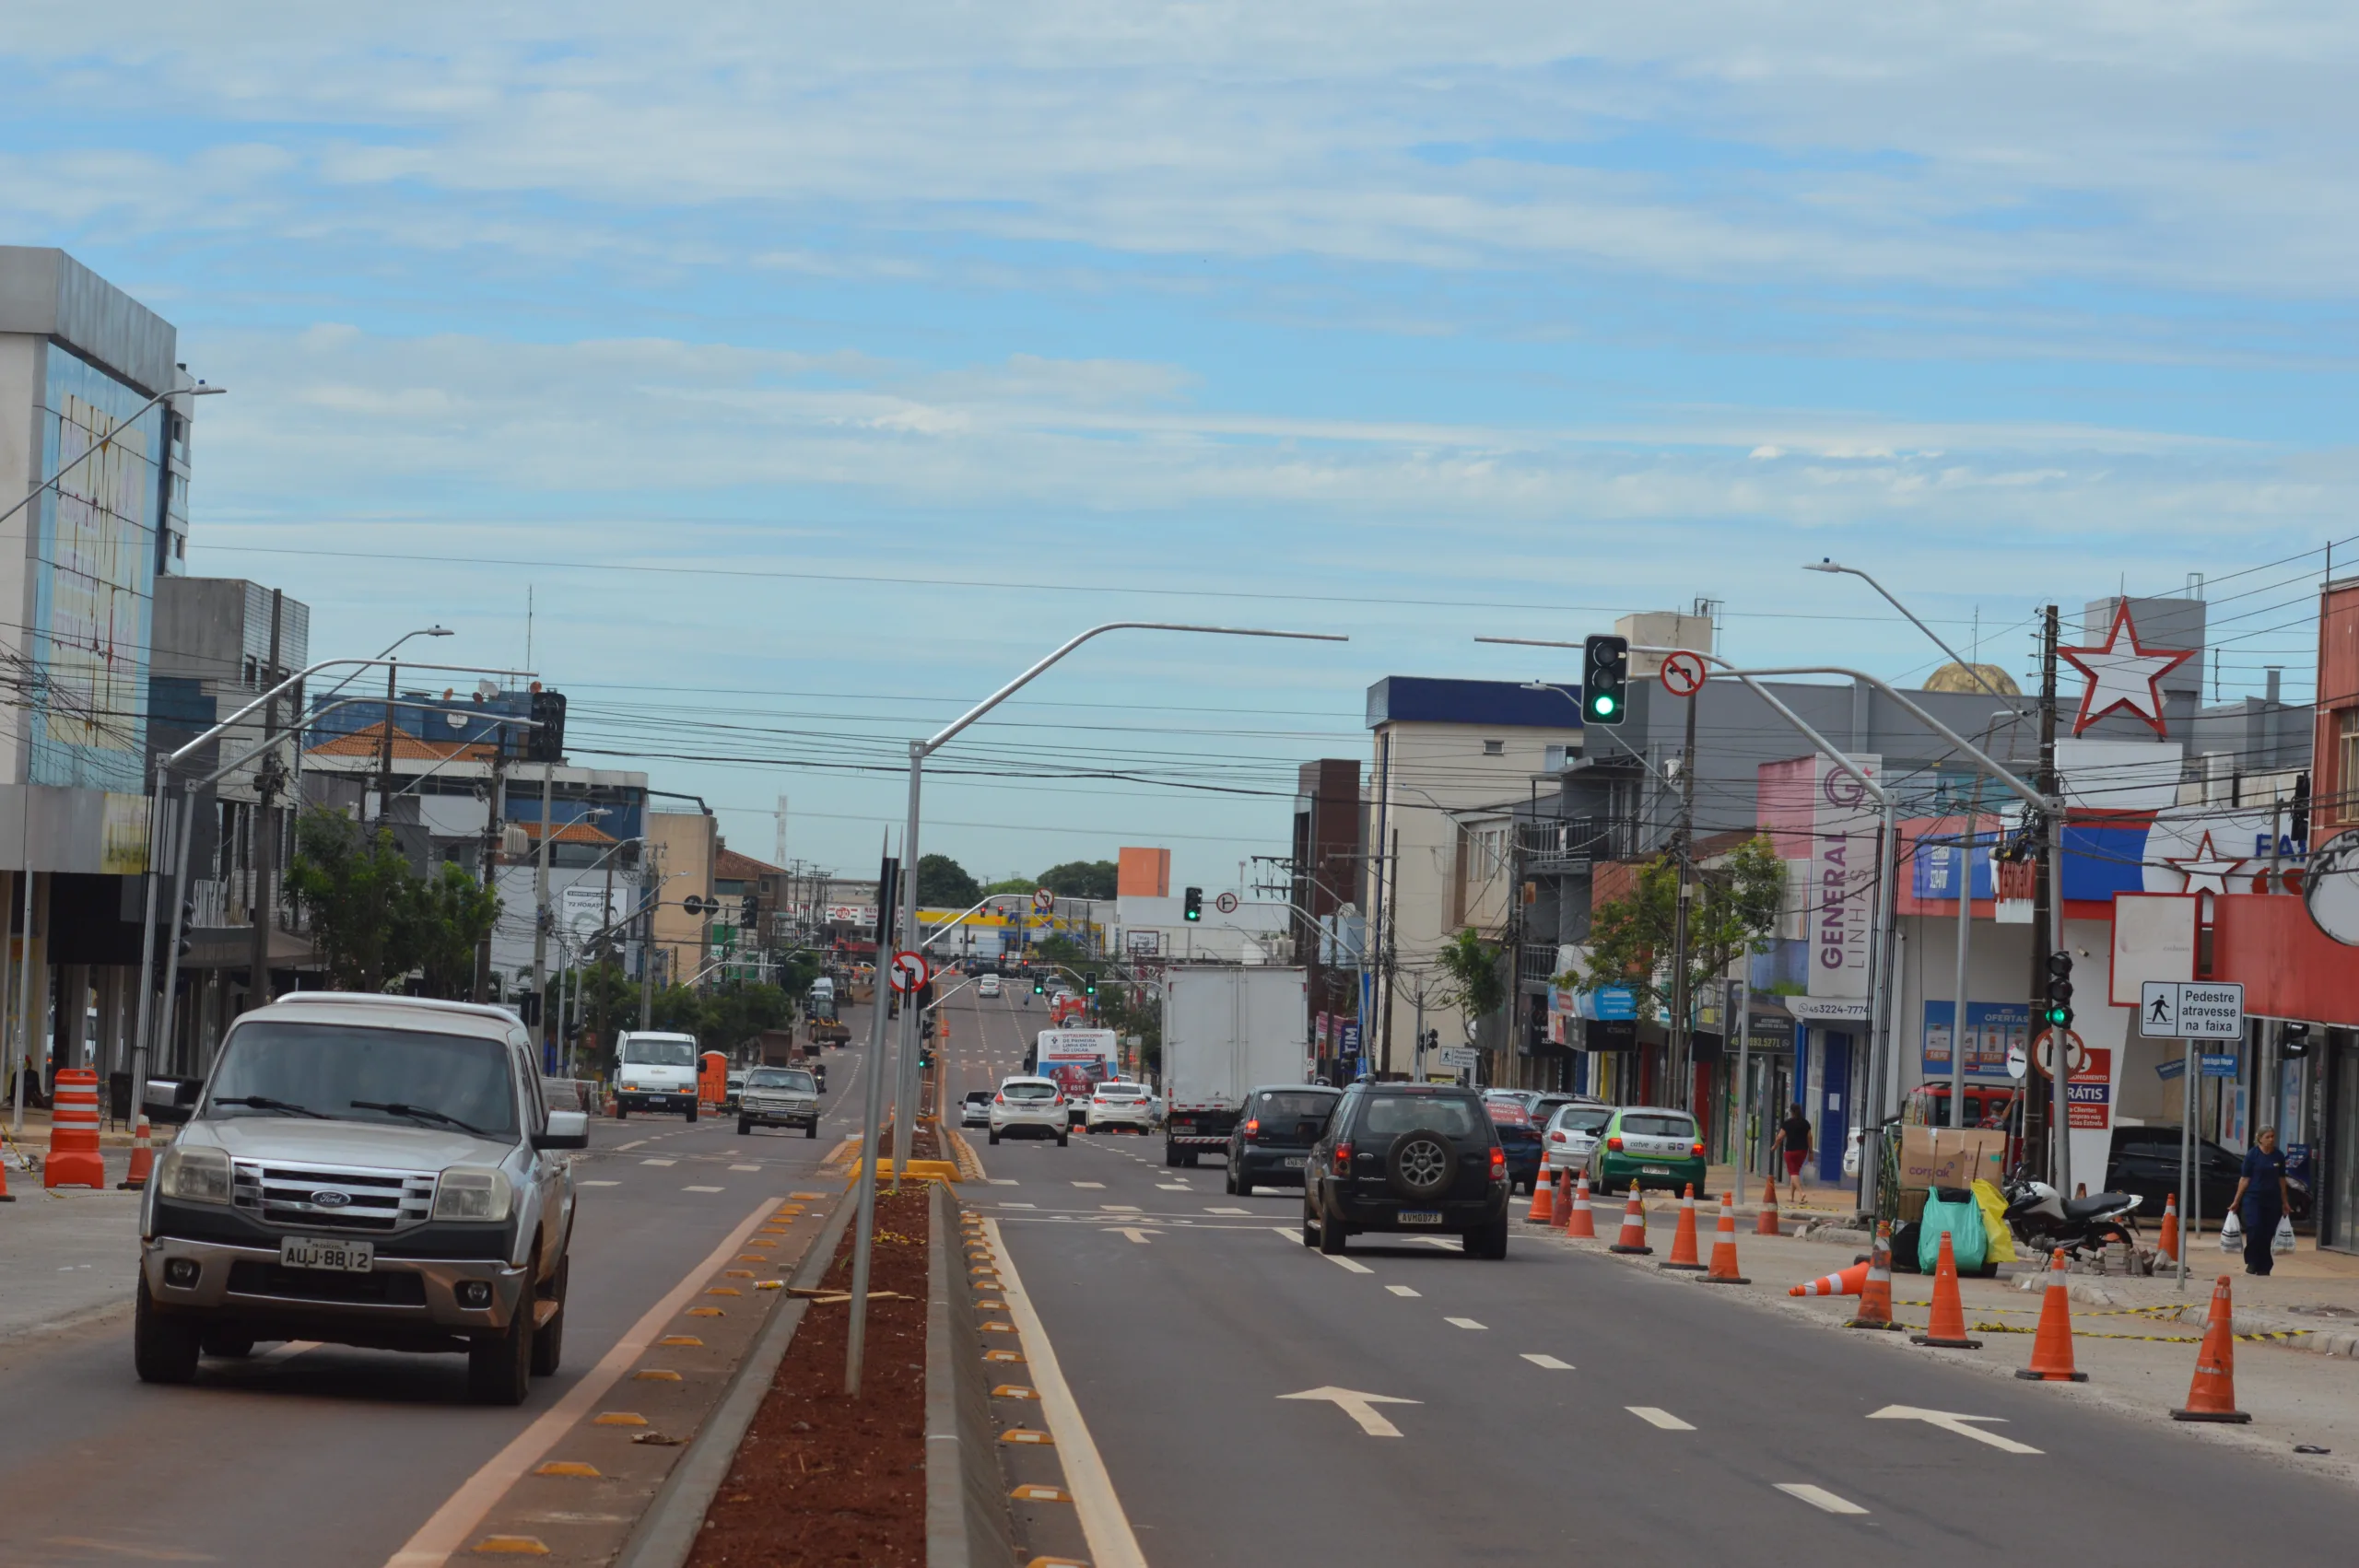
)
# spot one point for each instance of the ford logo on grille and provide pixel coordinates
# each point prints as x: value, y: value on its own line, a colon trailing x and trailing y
x: 328, y: 1199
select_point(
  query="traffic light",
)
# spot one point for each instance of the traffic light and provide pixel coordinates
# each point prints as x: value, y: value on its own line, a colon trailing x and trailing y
x: 1040, y: 986
x: 749, y: 912
x: 2058, y: 1013
x: 1089, y: 986
x: 1193, y: 907
x: 546, y: 742
x: 1605, y: 679
x: 2294, y: 1042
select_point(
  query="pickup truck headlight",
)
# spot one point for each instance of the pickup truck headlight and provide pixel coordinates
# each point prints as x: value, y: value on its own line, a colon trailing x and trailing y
x: 467, y: 1193
x: 195, y: 1174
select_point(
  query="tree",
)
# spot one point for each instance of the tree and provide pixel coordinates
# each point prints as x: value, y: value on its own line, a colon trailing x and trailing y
x: 1023, y: 884
x: 1733, y: 913
x: 942, y: 884
x: 442, y: 920
x: 356, y: 889
x: 735, y: 1013
x: 1474, y: 985
x: 1080, y: 879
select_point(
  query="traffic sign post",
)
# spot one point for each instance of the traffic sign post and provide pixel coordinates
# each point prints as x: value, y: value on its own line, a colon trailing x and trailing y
x: 2192, y: 1010
x: 1684, y: 674
x: 910, y: 972
x: 2043, y: 1053
x: 1225, y: 903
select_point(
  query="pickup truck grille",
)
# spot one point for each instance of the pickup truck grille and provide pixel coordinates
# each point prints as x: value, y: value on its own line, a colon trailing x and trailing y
x: 376, y: 1201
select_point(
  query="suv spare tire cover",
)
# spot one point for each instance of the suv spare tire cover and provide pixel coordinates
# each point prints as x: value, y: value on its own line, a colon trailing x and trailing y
x: 1421, y: 1166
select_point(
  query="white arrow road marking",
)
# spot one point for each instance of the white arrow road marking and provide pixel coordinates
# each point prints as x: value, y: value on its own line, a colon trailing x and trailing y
x: 1132, y: 1232
x: 1349, y: 1267
x: 1550, y: 1362
x: 1359, y: 1407
x: 1949, y: 1420
x: 1662, y: 1418
x: 1819, y: 1497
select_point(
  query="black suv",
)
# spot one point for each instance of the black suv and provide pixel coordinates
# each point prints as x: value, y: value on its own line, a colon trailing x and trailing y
x: 1271, y: 1142
x: 1419, y: 1158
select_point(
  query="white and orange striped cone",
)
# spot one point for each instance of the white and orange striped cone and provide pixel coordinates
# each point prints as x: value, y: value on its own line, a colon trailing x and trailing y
x: 1768, y: 1225
x: 1580, y: 1220
x: 1947, y: 1329
x: 1724, y: 1270
x: 2212, y: 1394
x: 1849, y: 1282
x: 1544, y: 1202
x: 143, y: 1158
x: 1634, y: 1227
x: 2051, y: 1347
x: 1683, y: 1240
x: 2168, y: 1244
x: 1876, y: 1295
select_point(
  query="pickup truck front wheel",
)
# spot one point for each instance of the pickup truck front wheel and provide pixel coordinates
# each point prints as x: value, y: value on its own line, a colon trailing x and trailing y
x: 499, y: 1371
x: 548, y: 1341
x: 163, y: 1350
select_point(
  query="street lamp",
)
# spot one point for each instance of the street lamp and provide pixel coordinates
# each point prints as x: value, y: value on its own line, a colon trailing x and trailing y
x: 1974, y: 672
x: 200, y: 389
x: 905, y: 1066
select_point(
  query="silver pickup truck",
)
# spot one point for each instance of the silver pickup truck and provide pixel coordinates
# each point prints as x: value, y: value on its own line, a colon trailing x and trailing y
x: 779, y: 1096
x: 365, y: 1170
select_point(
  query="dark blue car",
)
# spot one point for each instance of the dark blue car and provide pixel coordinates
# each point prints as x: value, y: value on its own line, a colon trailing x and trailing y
x: 1520, y: 1138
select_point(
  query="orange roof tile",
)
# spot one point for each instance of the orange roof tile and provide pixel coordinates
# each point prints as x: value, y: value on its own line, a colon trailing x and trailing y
x: 571, y: 832
x: 370, y: 741
x: 730, y: 866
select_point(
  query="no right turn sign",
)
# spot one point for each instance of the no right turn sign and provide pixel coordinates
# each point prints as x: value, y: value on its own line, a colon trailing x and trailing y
x: 2192, y: 1010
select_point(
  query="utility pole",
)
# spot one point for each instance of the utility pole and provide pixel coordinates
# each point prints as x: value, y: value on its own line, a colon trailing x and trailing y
x: 385, y: 754
x: 651, y: 884
x: 494, y: 825
x: 1683, y: 1042
x: 265, y: 828
x: 1390, y: 958
x: 541, y: 915
x: 2046, y: 895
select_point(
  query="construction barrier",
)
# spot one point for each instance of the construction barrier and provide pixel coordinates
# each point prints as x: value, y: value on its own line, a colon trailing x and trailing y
x: 73, y: 1131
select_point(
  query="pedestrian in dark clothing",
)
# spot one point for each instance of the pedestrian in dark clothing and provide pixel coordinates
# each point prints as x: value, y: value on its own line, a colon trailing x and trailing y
x: 2261, y: 1201
x: 1793, y: 1138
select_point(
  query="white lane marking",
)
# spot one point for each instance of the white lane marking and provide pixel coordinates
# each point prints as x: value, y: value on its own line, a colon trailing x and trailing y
x: 757, y: 1168
x: 1103, y: 1523
x: 287, y: 1351
x: 1010, y: 1181
x: 1550, y: 1362
x: 1134, y: 1208
x: 1184, y: 1187
x: 1012, y: 1204
x: 618, y: 1184
x: 1133, y: 1233
x: 1249, y: 1210
x: 724, y: 1190
x: 1447, y: 1246
x: 455, y: 1520
x: 1352, y: 1266
x: 1405, y: 1291
x: 624, y: 1148
x: 1949, y: 1420
x: 1101, y: 1186
x: 1291, y: 1233
x: 1464, y: 1323
x: 1662, y: 1418
x: 1819, y: 1497
x: 1358, y: 1406
x: 676, y: 1162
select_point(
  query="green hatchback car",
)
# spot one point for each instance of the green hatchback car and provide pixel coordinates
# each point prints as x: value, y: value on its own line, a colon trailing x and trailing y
x: 1650, y: 1145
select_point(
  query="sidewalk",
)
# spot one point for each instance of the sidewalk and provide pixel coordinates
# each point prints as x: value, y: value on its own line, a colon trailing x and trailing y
x: 72, y: 1252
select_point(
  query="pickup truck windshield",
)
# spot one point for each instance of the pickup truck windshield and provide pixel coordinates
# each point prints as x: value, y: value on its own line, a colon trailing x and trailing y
x: 661, y: 1053
x: 323, y: 1069
x: 796, y: 1079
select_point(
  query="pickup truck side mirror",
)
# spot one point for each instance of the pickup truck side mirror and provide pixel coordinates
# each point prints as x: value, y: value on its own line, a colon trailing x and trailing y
x: 170, y: 1101
x: 568, y: 1129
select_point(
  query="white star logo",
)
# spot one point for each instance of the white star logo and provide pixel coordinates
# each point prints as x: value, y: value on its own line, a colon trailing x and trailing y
x: 2118, y: 679
x: 2206, y: 870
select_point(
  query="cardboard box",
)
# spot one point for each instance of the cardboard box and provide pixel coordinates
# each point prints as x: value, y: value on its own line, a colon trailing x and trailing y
x: 1942, y: 1156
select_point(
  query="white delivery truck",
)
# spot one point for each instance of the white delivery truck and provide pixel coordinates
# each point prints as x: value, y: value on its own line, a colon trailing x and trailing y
x: 657, y: 1072
x: 1227, y: 1031
x: 1079, y: 1059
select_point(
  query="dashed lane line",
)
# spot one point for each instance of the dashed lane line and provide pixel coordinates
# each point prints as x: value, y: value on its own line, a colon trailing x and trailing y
x: 1662, y: 1418
x: 1249, y: 1210
x: 1405, y: 1291
x: 618, y: 1184
x: 1100, y: 1187
x: 724, y: 1190
x: 676, y: 1162
x: 1351, y: 1264
x: 1547, y: 1362
x: 1465, y: 1323
x: 1819, y: 1497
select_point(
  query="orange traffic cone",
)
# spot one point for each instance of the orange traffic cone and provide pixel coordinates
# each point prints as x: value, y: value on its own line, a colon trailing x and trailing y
x: 1876, y: 1295
x: 73, y: 1131
x: 2052, y: 1350
x: 1683, y: 1240
x: 2212, y: 1394
x: 1580, y: 1222
x: 1767, y: 1224
x: 1634, y: 1227
x: 2168, y: 1245
x: 1723, y: 1272
x: 1849, y: 1282
x: 1544, y: 1207
x: 143, y: 1158
x: 5, y: 1196
x: 1947, y: 1330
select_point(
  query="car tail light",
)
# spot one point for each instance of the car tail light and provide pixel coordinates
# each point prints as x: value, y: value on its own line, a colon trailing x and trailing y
x: 1253, y: 1128
x: 1498, y: 1163
x: 1342, y: 1159
x: 1699, y: 1150
x: 1559, y: 1137
x: 1001, y: 1099
x: 1614, y: 1145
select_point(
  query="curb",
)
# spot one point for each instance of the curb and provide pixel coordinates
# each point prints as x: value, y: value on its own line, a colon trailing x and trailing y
x: 967, y: 1520
x: 2313, y: 1339
x: 667, y: 1532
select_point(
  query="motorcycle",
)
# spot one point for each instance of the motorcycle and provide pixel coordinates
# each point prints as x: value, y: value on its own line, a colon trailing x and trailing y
x: 2043, y: 1221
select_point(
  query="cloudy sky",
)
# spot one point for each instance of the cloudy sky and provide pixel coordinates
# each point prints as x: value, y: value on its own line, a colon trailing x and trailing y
x: 814, y: 367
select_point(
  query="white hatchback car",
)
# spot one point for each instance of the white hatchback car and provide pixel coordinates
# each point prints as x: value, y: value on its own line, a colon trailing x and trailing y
x: 1113, y: 1106
x: 988, y: 986
x: 1572, y: 1131
x: 1028, y: 1107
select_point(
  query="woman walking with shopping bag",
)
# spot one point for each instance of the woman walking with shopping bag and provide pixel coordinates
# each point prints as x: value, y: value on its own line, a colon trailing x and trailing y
x: 2261, y: 1201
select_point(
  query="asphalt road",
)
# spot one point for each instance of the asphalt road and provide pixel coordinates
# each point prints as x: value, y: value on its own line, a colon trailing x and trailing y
x: 335, y: 1456
x: 1562, y: 1402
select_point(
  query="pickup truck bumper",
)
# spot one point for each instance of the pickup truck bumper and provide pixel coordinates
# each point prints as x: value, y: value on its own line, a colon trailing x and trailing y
x: 247, y: 1283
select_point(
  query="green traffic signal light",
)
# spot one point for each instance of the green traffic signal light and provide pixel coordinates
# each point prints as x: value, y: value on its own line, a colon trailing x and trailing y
x: 2057, y: 1017
x: 1602, y: 703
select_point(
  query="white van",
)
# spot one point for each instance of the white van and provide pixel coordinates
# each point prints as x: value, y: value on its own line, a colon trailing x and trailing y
x: 658, y: 1073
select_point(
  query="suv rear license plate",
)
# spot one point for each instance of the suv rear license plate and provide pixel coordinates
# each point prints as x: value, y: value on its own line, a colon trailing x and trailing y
x: 1656, y: 1170
x: 314, y: 1252
x: 1294, y: 1161
x: 1420, y: 1216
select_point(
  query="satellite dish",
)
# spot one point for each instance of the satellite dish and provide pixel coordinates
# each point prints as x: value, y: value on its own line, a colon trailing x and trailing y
x: 2331, y: 888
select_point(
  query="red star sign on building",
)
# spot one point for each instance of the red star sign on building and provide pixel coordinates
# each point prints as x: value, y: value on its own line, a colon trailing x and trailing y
x: 2123, y: 676
x: 2206, y: 870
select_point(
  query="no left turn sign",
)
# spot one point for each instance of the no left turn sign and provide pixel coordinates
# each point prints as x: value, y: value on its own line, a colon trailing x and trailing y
x: 910, y: 972
x: 1683, y: 673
